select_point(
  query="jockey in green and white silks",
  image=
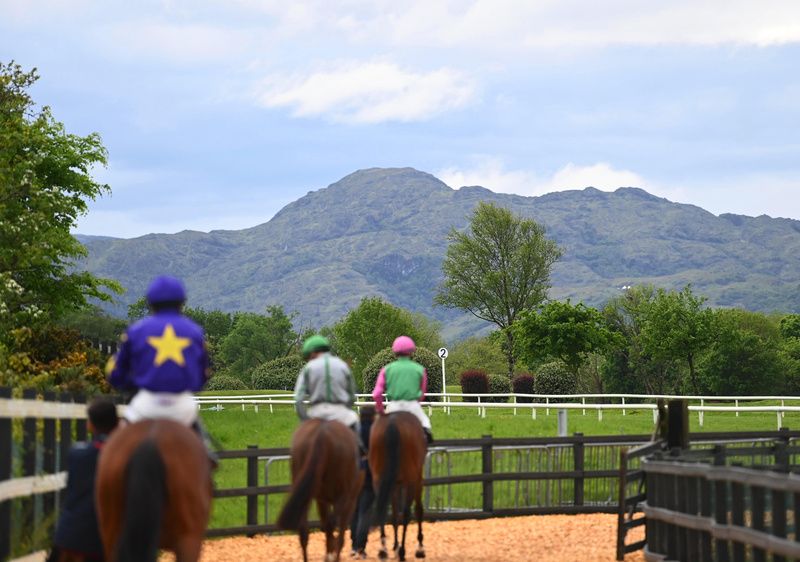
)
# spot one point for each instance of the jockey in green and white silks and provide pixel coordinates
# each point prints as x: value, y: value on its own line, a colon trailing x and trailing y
x: 328, y: 385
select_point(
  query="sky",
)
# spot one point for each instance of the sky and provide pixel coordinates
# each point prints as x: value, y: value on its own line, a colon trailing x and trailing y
x: 216, y: 114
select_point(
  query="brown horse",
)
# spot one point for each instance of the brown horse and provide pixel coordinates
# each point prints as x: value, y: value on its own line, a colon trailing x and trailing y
x: 397, y: 451
x: 153, y: 491
x: 324, y: 468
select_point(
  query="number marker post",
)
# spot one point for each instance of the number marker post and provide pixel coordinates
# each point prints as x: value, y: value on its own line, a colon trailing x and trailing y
x: 443, y: 353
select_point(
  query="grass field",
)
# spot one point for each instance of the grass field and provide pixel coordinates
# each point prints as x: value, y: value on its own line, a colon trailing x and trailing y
x: 236, y: 429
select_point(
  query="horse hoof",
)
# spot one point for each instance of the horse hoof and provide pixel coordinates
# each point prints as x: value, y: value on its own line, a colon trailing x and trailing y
x: 382, y: 554
x: 420, y: 553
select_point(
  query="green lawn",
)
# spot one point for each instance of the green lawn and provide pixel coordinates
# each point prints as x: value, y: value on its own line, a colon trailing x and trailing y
x: 236, y: 429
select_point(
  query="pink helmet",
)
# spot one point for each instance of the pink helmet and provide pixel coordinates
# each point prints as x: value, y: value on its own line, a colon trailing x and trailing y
x: 404, y: 346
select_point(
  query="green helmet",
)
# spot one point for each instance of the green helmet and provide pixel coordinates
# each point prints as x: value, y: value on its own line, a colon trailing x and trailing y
x: 315, y: 343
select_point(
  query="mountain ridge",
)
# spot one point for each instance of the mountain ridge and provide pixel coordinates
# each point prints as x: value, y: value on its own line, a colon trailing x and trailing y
x: 383, y: 232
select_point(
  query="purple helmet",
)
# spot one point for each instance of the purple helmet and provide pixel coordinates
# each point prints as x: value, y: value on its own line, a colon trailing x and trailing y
x: 165, y: 289
x: 404, y: 346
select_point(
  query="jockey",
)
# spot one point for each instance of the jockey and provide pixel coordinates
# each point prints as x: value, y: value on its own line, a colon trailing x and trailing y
x: 326, y: 381
x: 405, y: 382
x: 163, y: 358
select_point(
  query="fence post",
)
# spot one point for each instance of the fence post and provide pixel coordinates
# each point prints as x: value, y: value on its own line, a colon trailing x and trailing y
x: 80, y: 425
x: 577, y: 454
x: 623, y: 486
x: 5, y: 474
x: 49, y: 454
x: 721, y: 506
x: 488, y: 484
x: 252, y: 482
x: 28, y: 461
x: 64, y: 440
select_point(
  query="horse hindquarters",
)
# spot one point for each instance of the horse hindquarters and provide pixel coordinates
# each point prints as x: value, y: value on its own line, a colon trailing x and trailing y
x: 145, y: 491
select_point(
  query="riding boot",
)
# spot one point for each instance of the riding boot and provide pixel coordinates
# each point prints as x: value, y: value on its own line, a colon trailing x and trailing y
x: 198, y: 428
x: 362, y: 449
x: 428, y: 435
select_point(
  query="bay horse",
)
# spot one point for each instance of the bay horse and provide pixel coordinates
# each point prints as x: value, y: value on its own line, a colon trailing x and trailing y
x: 153, y: 491
x: 397, y: 449
x: 325, y: 468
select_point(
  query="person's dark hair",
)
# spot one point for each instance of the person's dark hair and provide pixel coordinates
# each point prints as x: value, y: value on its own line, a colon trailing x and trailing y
x: 102, y: 414
x: 367, y: 414
x: 169, y: 305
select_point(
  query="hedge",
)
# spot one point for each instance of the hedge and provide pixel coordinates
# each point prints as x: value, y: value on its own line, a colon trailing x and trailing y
x: 474, y: 381
x: 555, y: 378
x: 498, y: 384
x: 425, y: 357
x: 278, y: 374
x: 523, y: 384
x: 225, y: 382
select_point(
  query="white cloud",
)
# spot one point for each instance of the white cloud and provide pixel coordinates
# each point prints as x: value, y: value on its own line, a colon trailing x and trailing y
x: 368, y: 92
x: 492, y: 174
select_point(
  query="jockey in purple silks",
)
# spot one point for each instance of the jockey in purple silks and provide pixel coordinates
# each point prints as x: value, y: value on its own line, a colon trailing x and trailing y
x: 404, y: 382
x: 163, y: 358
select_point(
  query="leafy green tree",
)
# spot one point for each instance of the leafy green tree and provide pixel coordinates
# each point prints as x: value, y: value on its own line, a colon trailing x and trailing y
x: 563, y: 331
x: 369, y: 328
x: 744, y: 356
x: 256, y: 339
x: 475, y: 353
x: 678, y: 326
x: 138, y: 310
x: 93, y: 323
x: 790, y: 326
x: 496, y: 269
x: 45, y: 185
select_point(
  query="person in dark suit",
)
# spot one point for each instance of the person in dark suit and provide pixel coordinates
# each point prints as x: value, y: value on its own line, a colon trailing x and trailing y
x: 359, y: 526
x: 77, y: 536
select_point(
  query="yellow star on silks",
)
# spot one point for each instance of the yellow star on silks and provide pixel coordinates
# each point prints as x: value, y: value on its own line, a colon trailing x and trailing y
x: 169, y: 347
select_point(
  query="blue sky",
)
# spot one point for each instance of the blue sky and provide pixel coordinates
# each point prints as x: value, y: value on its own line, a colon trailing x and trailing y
x: 216, y: 114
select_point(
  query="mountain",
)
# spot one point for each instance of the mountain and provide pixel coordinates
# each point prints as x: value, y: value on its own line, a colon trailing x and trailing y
x: 383, y: 232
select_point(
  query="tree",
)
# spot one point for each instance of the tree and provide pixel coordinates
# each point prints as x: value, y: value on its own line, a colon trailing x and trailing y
x: 561, y: 330
x: 255, y: 339
x: 678, y: 326
x: 790, y: 326
x: 498, y: 268
x: 45, y: 185
x: 370, y: 327
x: 485, y: 354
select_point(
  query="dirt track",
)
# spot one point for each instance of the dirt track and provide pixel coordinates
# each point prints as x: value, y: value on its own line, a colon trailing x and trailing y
x: 589, y: 538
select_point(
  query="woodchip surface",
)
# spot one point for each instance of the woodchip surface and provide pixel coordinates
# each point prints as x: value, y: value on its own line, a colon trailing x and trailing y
x: 588, y: 538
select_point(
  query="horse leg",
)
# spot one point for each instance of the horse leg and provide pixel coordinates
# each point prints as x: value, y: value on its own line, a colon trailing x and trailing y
x: 328, y: 524
x: 418, y: 505
x: 395, y: 520
x: 302, y: 532
x: 188, y: 549
x: 401, y: 554
x: 383, y: 554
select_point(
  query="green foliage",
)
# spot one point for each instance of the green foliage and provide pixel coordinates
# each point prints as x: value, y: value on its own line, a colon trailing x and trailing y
x: 790, y: 326
x: 563, y: 331
x: 498, y: 268
x: 473, y: 381
x: 499, y: 384
x: 215, y: 323
x: 677, y: 327
x: 744, y: 356
x: 93, y: 323
x: 278, y: 374
x: 256, y: 339
x: 45, y: 186
x: 138, y: 309
x: 423, y: 356
x: 372, y: 326
x: 225, y: 382
x: 555, y: 378
x: 484, y: 353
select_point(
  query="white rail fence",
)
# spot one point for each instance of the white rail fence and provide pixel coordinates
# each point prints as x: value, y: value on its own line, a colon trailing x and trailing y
x: 588, y: 402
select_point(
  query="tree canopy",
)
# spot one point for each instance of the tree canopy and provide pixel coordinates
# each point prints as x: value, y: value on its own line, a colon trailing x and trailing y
x: 497, y: 268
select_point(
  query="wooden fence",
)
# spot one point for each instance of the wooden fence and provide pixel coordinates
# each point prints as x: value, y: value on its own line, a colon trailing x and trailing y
x: 699, y: 508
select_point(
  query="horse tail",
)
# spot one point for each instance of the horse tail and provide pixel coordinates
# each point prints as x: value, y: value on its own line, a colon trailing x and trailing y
x: 145, y: 493
x: 306, y: 486
x: 391, y: 467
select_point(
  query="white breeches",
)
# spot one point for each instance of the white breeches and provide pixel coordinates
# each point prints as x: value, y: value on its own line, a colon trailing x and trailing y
x: 333, y: 412
x: 410, y: 406
x: 147, y: 405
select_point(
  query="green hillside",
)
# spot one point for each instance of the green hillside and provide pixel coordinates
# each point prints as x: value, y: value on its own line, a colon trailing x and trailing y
x: 383, y: 232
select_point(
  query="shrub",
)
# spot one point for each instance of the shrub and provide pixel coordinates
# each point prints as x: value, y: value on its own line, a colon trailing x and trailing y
x: 523, y: 384
x: 498, y: 384
x: 474, y: 381
x: 425, y: 357
x: 278, y: 374
x: 555, y: 378
x: 225, y: 382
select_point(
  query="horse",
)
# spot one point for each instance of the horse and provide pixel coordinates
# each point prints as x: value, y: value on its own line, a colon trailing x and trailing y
x: 153, y: 491
x: 325, y: 468
x: 397, y: 449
